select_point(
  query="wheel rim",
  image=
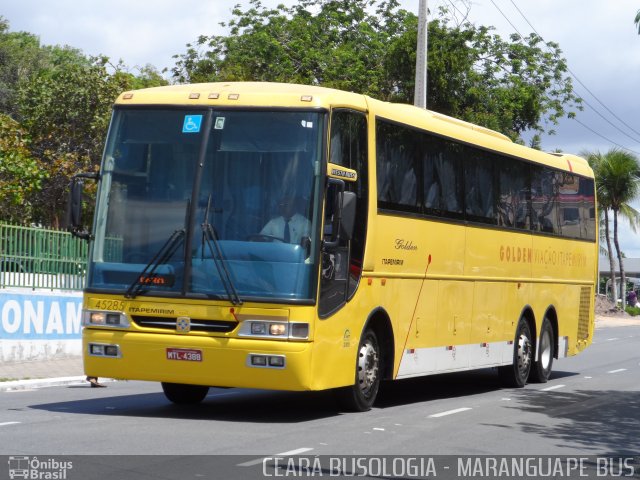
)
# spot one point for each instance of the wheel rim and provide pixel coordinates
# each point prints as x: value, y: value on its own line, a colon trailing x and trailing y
x: 368, y: 363
x: 524, y: 354
x: 545, y: 349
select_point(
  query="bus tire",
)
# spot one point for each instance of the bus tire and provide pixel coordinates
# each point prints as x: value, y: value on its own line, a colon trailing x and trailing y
x: 361, y: 396
x: 182, y: 394
x: 541, y: 370
x: 516, y: 374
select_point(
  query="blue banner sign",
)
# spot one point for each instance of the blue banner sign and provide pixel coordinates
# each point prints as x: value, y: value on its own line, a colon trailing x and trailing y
x: 40, y: 317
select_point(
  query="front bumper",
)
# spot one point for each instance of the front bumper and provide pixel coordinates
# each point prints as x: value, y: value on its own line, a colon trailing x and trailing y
x: 223, y: 361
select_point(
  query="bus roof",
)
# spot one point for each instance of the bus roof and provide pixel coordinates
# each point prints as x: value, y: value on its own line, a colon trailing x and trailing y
x: 260, y: 94
x: 280, y: 95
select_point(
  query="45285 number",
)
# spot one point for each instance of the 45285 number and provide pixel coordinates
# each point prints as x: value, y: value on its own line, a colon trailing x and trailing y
x: 103, y: 304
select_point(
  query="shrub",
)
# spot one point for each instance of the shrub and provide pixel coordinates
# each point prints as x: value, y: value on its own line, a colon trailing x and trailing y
x: 633, y: 311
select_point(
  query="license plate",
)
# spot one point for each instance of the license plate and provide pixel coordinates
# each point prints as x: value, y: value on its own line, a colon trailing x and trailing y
x: 184, y: 354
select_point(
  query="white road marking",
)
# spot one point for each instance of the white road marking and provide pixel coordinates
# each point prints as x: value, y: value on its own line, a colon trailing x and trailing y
x: 505, y: 399
x: 8, y: 423
x: 449, y: 412
x: 612, y: 339
x: 258, y: 461
x: 555, y: 387
x: 618, y: 370
x: 588, y: 378
x: 294, y: 452
x: 379, y: 429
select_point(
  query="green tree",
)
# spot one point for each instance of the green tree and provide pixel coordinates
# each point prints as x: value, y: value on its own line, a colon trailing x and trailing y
x: 147, y: 77
x: 20, y: 56
x: 596, y: 160
x: 618, y: 183
x: 21, y: 176
x: 368, y: 46
x: 637, y: 21
x: 66, y: 110
x: 59, y: 104
x: 66, y: 107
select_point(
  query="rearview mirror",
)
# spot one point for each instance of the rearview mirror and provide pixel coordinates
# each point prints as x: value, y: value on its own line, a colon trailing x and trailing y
x: 348, y: 214
x: 74, y: 205
x: 340, y: 213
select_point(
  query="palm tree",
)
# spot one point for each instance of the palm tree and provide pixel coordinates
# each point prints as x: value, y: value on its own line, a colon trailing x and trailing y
x: 596, y: 159
x: 637, y: 21
x: 617, y: 183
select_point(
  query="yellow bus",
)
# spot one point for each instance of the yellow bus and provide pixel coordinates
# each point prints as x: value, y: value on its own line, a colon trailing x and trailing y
x: 289, y: 237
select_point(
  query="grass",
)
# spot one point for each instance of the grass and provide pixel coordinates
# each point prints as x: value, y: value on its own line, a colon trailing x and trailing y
x: 633, y: 311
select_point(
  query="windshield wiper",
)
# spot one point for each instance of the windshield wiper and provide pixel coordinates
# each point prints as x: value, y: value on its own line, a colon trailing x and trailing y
x: 147, y: 275
x: 211, y: 238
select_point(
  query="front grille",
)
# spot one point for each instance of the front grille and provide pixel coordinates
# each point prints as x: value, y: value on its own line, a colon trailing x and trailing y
x: 219, y: 326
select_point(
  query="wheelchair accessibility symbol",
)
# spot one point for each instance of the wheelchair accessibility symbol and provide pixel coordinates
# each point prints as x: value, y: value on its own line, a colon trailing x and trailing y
x: 192, y: 123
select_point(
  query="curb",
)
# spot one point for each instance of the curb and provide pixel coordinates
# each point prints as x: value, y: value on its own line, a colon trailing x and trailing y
x: 16, y: 385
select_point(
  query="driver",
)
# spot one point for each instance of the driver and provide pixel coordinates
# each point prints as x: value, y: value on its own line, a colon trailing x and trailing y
x: 289, y: 226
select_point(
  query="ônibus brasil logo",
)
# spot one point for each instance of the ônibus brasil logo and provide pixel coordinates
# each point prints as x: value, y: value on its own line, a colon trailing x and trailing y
x: 38, y: 469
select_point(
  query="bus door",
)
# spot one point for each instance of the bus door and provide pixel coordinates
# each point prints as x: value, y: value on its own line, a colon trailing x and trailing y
x: 342, y: 263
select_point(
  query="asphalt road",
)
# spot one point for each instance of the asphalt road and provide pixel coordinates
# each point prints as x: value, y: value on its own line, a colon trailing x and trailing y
x: 591, y: 406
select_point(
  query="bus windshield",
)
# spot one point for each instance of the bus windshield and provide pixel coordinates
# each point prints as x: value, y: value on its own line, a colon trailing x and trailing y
x: 221, y: 203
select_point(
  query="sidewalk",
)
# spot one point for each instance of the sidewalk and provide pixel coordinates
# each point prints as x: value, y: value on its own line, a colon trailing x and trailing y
x: 36, y: 374
x: 64, y: 367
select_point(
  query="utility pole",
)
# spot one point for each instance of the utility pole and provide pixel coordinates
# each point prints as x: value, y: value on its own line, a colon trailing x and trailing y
x: 420, y: 94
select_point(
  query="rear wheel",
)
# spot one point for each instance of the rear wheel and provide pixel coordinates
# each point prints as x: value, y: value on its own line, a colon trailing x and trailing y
x: 516, y: 374
x: 362, y: 394
x: 541, y: 370
x: 184, y: 394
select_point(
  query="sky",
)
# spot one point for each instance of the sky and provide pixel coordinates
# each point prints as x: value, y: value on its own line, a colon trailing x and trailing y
x: 598, y: 38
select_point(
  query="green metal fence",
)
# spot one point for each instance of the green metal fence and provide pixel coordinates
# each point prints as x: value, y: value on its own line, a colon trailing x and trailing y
x: 41, y: 258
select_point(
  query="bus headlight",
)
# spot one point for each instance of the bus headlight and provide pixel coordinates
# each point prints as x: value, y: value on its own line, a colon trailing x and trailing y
x: 299, y: 331
x: 258, y: 328
x: 104, y: 350
x: 277, y: 329
x: 274, y: 330
x: 260, y: 360
x: 94, y: 318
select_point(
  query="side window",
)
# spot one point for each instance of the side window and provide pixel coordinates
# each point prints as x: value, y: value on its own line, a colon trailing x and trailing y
x: 442, y: 167
x: 544, y: 196
x: 569, y: 203
x: 480, y: 188
x: 513, y: 199
x: 398, y: 166
x: 576, y: 202
x: 342, y: 266
x: 587, y: 209
x: 418, y: 172
x: 422, y: 173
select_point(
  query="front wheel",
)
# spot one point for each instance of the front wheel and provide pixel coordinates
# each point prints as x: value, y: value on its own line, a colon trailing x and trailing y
x: 516, y: 374
x: 184, y: 394
x: 541, y: 370
x: 362, y: 394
